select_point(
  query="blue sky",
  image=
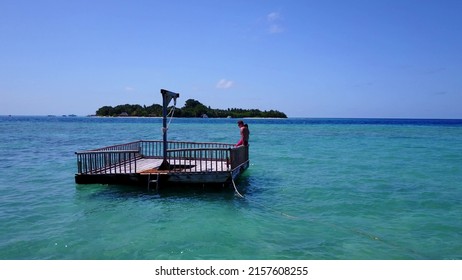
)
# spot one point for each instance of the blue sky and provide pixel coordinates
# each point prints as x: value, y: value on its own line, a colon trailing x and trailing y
x: 357, y: 58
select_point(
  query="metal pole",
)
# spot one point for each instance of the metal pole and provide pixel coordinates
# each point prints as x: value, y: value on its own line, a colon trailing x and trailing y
x: 164, y: 126
x: 167, y: 96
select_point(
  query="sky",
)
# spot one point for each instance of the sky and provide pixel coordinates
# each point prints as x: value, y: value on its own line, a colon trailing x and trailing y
x: 306, y: 58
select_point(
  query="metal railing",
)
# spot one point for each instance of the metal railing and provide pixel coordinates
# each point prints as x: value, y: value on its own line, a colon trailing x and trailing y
x: 122, y: 147
x: 239, y: 156
x: 182, y: 156
x: 154, y: 148
x: 203, y: 160
x: 114, y: 159
x: 107, y: 162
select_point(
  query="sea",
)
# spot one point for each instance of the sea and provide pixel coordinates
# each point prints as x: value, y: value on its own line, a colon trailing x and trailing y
x: 316, y: 189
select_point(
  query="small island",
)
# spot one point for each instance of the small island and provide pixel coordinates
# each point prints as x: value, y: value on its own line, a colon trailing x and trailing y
x: 191, y: 109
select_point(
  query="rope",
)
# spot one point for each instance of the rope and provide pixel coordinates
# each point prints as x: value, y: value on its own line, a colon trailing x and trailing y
x: 353, y: 230
x: 235, y: 189
x: 172, y: 111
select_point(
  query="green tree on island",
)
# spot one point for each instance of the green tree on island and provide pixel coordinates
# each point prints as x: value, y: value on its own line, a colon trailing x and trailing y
x: 191, y: 109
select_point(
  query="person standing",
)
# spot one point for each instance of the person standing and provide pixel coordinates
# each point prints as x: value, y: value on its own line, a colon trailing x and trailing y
x: 244, y: 131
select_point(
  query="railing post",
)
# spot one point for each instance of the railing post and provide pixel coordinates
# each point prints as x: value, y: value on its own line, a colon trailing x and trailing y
x: 79, y: 163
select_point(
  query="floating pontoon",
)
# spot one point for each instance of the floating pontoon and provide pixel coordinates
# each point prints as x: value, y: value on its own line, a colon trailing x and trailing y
x: 154, y: 163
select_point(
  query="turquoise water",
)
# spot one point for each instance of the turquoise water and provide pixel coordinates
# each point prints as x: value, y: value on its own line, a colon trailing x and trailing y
x: 315, y: 189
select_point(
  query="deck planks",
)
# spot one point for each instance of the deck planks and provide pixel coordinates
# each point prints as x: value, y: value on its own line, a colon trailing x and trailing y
x: 150, y: 165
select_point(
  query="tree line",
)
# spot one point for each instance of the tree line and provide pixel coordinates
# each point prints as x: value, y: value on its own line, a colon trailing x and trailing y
x: 191, y: 109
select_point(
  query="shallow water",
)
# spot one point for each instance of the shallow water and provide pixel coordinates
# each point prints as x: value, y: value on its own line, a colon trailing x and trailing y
x: 315, y: 189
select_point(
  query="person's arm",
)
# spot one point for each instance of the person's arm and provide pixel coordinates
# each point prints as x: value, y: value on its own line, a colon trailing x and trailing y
x: 240, y: 143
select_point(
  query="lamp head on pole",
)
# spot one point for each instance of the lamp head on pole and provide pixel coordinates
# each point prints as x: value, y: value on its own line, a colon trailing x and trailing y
x: 167, y: 96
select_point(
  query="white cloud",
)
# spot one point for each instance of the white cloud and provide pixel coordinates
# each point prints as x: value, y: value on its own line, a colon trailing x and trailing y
x: 274, y: 19
x: 273, y: 16
x: 129, y: 89
x: 224, y: 84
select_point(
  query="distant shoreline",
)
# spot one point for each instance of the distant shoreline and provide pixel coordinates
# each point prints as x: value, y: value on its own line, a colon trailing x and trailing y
x: 314, y: 119
x: 191, y: 109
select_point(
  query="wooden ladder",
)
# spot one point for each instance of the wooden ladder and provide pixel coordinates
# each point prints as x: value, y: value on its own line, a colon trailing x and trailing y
x: 156, y: 180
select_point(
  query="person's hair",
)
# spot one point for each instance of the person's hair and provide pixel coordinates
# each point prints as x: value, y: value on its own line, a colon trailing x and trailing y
x: 240, y: 122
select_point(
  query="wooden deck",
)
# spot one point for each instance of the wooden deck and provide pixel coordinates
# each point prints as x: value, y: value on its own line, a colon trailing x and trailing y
x: 151, y: 166
x: 139, y: 163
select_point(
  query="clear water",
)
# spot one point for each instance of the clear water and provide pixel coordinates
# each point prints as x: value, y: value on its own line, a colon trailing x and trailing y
x: 315, y: 189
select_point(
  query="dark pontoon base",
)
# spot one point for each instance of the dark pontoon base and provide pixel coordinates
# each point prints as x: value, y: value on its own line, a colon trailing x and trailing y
x: 221, y: 179
x: 111, y: 179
